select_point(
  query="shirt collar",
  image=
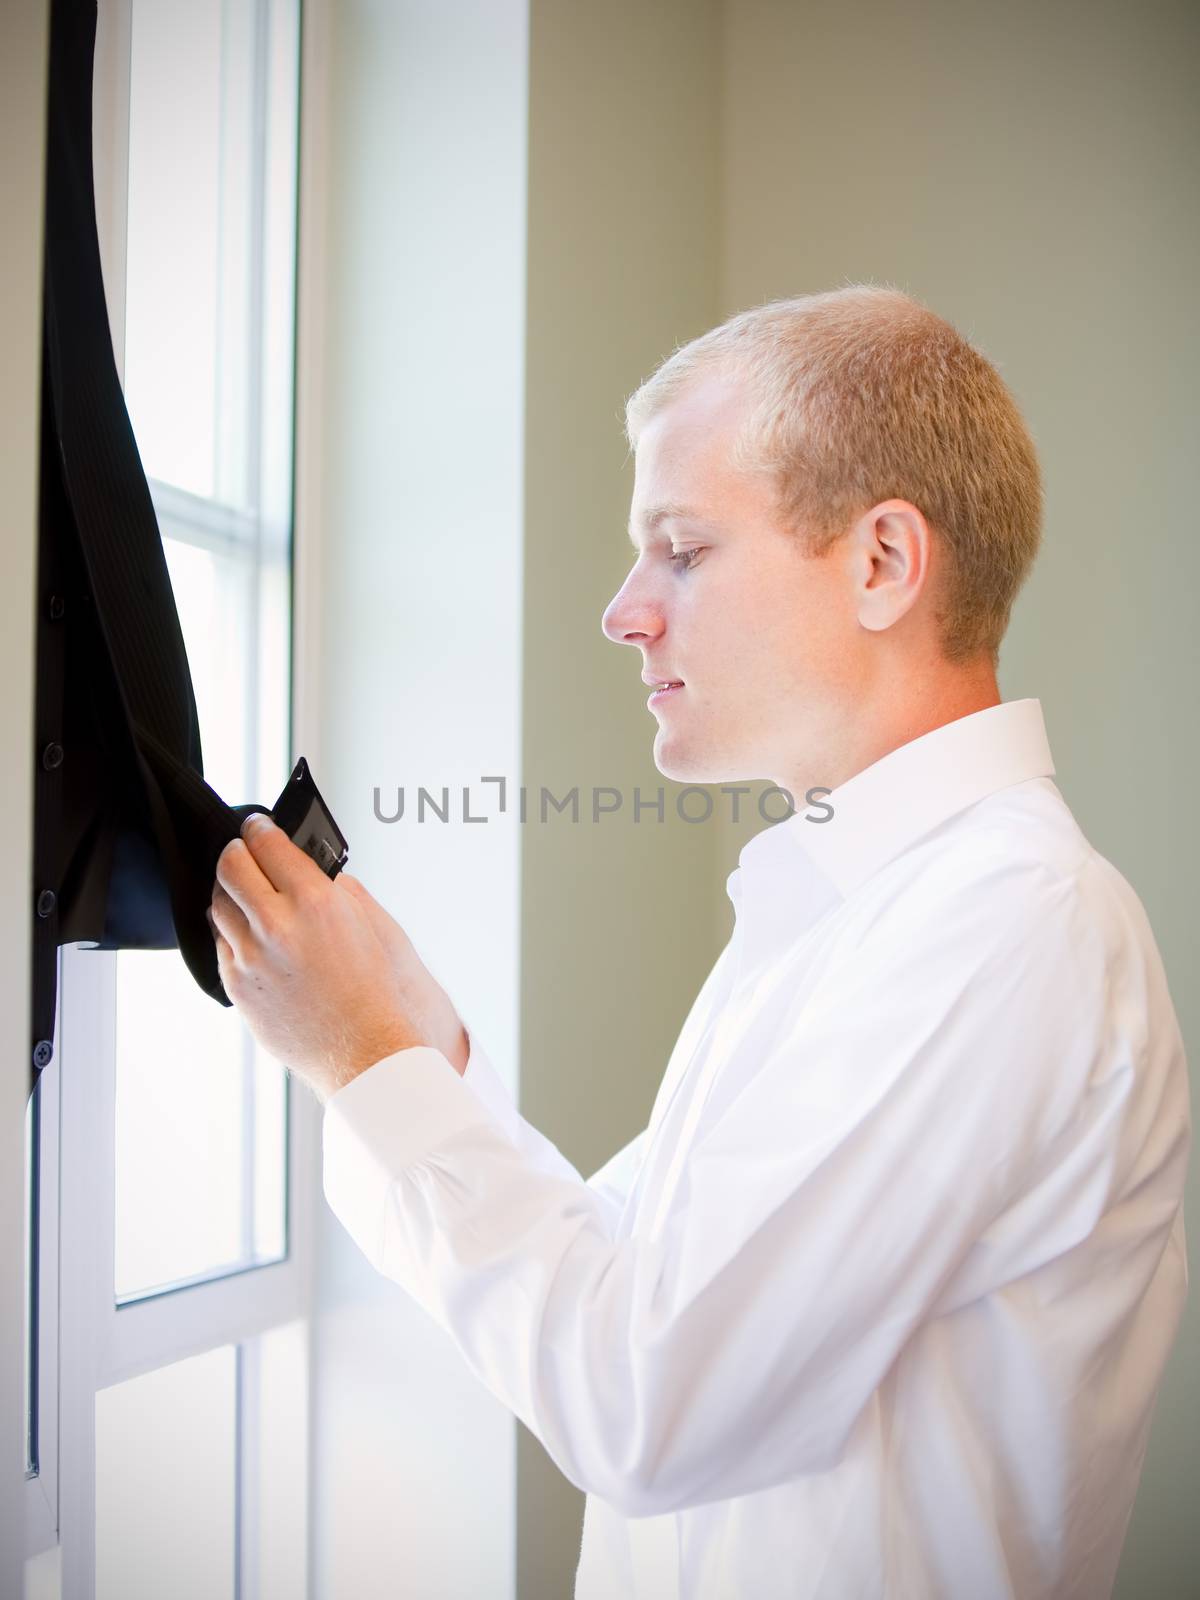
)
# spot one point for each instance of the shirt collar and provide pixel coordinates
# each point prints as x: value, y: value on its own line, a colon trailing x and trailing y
x: 882, y: 810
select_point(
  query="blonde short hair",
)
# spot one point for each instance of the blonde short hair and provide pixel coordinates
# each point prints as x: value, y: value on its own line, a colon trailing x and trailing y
x: 862, y: 394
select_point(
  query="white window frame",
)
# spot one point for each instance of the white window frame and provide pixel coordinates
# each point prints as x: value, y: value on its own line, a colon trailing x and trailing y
x: 103, y: 1343
x: 41, y: 1483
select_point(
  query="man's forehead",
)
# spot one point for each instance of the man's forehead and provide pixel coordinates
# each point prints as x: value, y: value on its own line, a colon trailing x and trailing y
x: 710, y: 399
x: 684, y: 465
x: 690, y: 439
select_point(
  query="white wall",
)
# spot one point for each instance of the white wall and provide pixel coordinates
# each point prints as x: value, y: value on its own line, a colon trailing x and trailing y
x: 1030, y: 171
x: 22, y: 153
x: 411, y: 531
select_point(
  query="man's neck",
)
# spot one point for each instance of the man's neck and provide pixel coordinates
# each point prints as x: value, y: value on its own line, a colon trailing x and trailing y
x: 902, y: 707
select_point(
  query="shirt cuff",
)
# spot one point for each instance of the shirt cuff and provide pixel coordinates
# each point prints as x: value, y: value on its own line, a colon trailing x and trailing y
x: 383, y: 1122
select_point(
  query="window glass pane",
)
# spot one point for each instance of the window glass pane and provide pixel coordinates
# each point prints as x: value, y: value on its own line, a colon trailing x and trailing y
x: 173, y: 281
x: 166, y: 1481
x: 200, y: 1130
x: 214, y: 595
x: 199, y: 194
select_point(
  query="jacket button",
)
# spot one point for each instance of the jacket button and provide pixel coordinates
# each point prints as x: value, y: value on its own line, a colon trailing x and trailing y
x: 46, y: 902
x: 42, y: 1051
x: 57, y: 607
x: 52, y: 757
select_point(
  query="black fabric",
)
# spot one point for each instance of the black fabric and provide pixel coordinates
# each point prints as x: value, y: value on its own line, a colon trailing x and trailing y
x: 126, y: 831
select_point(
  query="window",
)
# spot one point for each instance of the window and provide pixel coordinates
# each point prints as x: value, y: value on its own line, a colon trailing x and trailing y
x: 163, y: 1155
x: 209, y: 249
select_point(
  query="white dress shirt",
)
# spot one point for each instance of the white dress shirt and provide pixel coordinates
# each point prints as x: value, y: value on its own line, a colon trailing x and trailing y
x: 879, y: 1303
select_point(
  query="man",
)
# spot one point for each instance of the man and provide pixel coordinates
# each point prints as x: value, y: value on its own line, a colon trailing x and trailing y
x: 879, y: 1303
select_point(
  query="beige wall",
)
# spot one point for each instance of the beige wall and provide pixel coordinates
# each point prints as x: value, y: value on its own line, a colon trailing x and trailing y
x: 1029, y: 170
x: 22, y: 148
x: 616, y: 916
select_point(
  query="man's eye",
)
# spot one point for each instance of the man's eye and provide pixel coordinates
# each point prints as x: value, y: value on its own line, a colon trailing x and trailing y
x: 683, y: 558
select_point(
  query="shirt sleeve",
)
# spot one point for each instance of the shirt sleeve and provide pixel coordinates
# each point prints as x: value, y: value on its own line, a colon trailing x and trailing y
x: 823, y: 1215
x: 611, y: 1184
x: 484, y: 1081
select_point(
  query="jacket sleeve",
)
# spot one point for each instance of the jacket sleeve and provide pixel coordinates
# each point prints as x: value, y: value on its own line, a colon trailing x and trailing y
x: 824, y: 1214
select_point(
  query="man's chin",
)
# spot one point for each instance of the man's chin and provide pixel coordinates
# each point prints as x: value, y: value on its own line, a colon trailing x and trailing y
x: 696, y: 766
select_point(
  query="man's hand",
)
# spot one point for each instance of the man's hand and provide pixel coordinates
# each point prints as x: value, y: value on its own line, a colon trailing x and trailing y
x: 327, y: 981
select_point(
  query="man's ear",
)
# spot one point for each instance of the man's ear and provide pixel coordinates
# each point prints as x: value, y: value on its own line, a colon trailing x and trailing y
x: 892, y: 551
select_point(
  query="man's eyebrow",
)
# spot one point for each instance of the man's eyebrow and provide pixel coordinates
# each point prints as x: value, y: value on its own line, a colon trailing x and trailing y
x: 651, y: 518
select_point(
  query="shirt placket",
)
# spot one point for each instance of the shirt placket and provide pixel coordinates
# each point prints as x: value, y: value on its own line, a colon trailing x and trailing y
x: 724, y: 1029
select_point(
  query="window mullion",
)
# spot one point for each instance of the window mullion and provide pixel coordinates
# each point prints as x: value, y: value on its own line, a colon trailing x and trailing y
x: 86, y: 1241
x: 208, y: 524
x: 42, y: 1482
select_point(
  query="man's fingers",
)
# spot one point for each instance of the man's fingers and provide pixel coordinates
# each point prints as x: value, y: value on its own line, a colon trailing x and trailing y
x: 380, y: 922
x: 226, y: 961
x: 228, y: 920
x: 244, y: 880
x: 385, y: 926
x: 284, y: 865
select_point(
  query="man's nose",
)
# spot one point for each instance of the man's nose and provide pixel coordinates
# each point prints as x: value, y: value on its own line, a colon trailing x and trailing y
x: 631, y: 616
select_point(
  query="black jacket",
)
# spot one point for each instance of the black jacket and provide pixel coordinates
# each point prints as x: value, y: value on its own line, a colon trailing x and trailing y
x: 126, y: 831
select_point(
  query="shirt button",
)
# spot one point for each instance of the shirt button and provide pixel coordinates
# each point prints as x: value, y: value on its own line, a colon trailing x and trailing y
x: 57, y: 607
x: 42, y: 1051
x: 52, y: 756
x: 46, y: 902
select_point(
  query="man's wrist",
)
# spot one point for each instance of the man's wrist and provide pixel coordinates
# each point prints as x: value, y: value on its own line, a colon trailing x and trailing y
x: 388, y: 1042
